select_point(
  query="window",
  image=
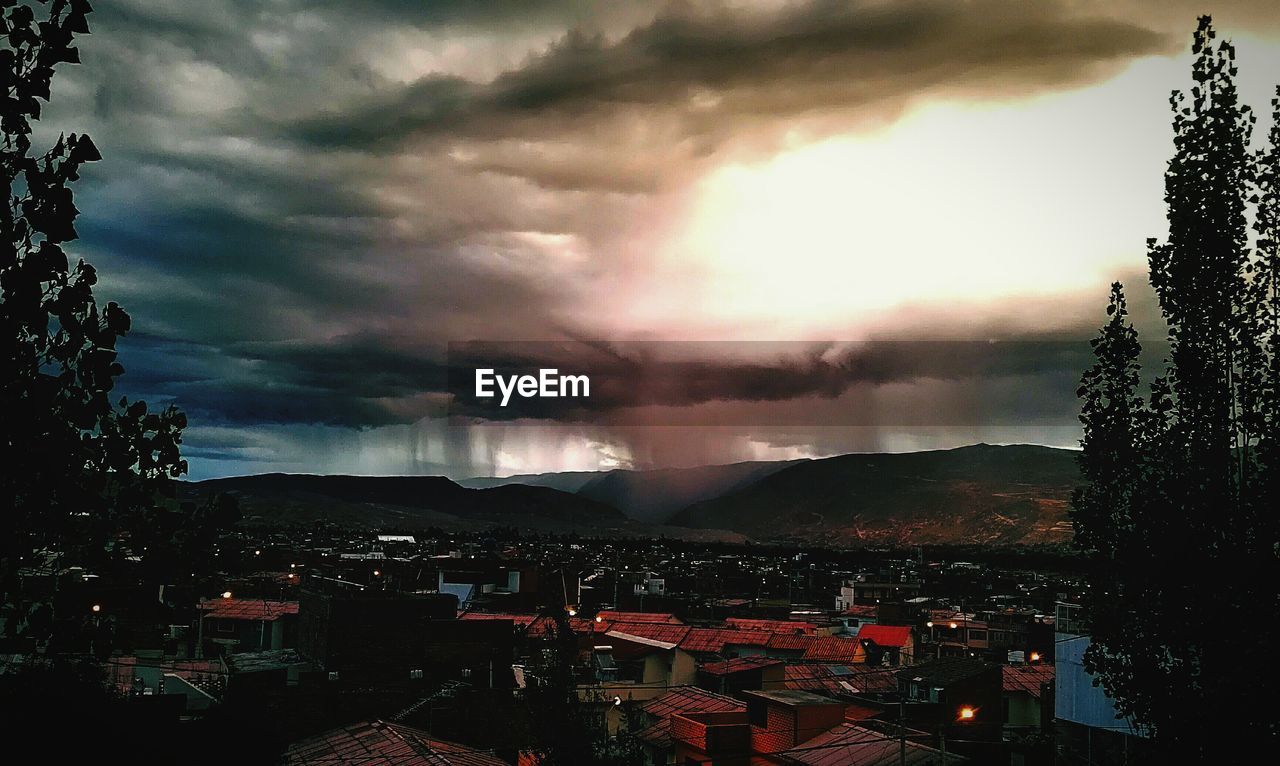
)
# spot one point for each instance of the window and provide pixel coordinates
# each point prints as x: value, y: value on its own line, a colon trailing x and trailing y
x: 977, y: 635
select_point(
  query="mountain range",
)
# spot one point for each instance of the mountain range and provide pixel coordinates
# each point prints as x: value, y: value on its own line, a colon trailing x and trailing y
x: 1014, y: 494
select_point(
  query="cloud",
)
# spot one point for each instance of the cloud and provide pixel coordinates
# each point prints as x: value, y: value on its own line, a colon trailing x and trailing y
x: 302, y: 203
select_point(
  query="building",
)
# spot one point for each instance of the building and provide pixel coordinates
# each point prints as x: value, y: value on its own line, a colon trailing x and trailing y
x: 657, y: 713
x: 959, y: 699
x: 246, y: 625
x: 343, y: 628
x: 887, y: 644
x: 783, y: 719
x: 870, y: 588
x: 1087, y: 728
x: 742, y: 674
x: 648, y: 662
x: 1028, y: 695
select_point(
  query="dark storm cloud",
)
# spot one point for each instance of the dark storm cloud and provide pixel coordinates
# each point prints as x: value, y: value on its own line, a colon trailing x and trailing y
x: 300, y: 214
x: 714, y: 70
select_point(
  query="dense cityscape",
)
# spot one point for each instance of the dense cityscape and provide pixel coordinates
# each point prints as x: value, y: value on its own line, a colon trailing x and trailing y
x: 328, y: 641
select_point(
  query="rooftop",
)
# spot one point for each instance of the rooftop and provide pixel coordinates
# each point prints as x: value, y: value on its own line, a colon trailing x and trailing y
x: 832, y: 649
x: 791, y: 697
x: 1027, y: 678
x: 739, y: 665
x: 944, y: 671
x: 384, y: 744
x: 256, y: 609
x: 885, y: 635
x: 689, y: 699
x: 852, y: 745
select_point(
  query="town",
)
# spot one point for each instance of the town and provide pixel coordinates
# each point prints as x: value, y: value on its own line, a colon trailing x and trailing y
x: 327, y: 642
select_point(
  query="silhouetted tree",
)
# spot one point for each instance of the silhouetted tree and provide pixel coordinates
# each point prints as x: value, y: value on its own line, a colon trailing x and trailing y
x: 1178, y: 509
x: 78, y: 471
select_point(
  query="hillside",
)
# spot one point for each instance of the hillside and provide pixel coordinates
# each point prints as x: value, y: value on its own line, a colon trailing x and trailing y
x: 650, y: 496
x: 423, y: 501
x: 977, y: 494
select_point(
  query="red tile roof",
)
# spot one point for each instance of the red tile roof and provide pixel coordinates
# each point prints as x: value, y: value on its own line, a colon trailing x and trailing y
x: 254, y: 609
x: 739, y: 665
x: 852, y: 745
x: 840, y: 679
x: 781, y: 627
x: 384, y: 744
x: 521, y: 620
x: 689, y: 699
x: 1027, y: 678
x: 832, y: 649
x: 628, y: 647
x: 714, y: 640
x: 790, y: 643
x: 663, y: 617
x: 885, y: 635
x: 672, y: 634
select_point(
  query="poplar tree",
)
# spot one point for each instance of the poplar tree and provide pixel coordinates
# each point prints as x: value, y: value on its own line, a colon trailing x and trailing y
x: 1178, y: 509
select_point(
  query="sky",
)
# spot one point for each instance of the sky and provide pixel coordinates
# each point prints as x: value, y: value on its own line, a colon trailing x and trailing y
x: 302, y: 204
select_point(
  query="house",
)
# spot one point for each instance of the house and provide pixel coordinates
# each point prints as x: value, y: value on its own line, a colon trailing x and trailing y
x: 713, y: 738
x: 841, y: 649
x: 742, y: 674
x: 787, y: 647
x: 246, y: 625
x: 380, y: 743
x: 1028, y: 695
x: 887, y: 644
x: 648, y: 662
x: 862, y: 681
x: 496, y: 584
x: 959, y: 698
x: 658, y: 745
x: 782, y: 719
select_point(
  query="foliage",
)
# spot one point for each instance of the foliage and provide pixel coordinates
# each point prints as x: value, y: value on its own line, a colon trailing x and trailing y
x: 86, y: 479
x: 1177, y: 511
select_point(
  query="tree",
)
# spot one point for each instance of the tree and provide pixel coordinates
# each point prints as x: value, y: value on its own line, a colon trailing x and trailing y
x: 1177, y: 511
x: 79, y: 469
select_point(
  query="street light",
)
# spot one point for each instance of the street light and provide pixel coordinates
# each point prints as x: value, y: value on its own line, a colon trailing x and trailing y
x: 226, y: 594
x: 1035, y: 656
x: 967, y: 713
x: 96, y: 607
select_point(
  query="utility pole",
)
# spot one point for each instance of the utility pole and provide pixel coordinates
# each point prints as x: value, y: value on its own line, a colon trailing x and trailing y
x: 902, y: 728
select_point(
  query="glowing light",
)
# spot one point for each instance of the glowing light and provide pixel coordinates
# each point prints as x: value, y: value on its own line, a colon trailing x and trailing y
x: 967, y: 713
x: 599, y: 618
x: 954, y: 626
x: 226, y: 594
x: 97, y: 607
x: 929, y: 624
x: 377, y: 573
x: 1035, y: 656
